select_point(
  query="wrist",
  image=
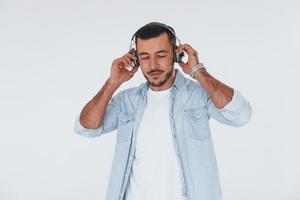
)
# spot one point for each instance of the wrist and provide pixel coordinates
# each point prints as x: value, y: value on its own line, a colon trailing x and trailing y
x: 199, y: 73
x: 198, y: 67
x: 113, y: 84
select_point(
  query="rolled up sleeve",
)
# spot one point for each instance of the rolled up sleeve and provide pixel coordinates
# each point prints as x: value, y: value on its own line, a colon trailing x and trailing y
x: 110, y: 120
x: 236, y: 113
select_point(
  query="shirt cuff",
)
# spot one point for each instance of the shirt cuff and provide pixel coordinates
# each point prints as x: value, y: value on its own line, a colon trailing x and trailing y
x: 237, y: 103
x: 79, y: 129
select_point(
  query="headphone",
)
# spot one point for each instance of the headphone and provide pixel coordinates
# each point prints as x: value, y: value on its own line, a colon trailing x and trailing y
x: 177, y: 57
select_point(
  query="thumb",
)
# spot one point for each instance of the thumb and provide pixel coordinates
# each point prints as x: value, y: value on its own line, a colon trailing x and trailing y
x: 181, y: 64
x: 133, y: 70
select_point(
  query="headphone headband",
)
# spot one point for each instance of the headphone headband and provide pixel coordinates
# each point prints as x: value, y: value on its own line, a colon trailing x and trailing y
x: 156, y: 24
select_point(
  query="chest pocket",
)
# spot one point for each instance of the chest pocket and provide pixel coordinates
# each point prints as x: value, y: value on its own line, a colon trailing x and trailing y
x: 196, y: 123
x: 125, y: 126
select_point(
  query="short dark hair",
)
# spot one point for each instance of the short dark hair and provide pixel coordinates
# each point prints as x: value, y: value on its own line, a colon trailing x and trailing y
x: 154, y: 29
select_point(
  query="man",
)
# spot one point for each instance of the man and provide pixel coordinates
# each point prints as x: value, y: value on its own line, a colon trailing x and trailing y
x: 164, y: 149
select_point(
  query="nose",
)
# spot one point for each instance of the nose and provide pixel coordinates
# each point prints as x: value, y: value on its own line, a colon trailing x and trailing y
x: 153, y: 63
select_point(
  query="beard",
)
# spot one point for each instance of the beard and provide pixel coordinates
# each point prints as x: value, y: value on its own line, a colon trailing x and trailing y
x: 162, y: 82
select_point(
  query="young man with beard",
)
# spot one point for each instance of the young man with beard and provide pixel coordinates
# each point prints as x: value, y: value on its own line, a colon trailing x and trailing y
x: 164, y: 149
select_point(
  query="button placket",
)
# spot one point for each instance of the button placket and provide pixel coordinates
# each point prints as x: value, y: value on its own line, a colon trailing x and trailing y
x: 173, y: 129
x: 132, y: 149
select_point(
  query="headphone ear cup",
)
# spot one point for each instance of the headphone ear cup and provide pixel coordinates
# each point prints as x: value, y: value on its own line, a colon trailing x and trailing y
x: 178, y: 57
x: 175, y: 55
x: 136, y: 62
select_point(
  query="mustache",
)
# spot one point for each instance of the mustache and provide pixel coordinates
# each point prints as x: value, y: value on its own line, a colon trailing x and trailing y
x: 155, y: 71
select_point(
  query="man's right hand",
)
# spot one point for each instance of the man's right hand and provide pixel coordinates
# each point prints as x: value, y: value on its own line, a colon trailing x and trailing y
x: 119, y: 72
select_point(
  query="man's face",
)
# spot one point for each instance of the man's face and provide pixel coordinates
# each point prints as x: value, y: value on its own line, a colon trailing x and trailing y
x: 156, y: 59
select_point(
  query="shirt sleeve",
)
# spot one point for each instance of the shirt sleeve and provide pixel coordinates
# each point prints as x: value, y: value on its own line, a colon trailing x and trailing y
x: 110, y: 120
x: 236, y: 113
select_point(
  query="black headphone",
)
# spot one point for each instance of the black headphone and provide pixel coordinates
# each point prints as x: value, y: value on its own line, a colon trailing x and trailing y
x: 177, y: 57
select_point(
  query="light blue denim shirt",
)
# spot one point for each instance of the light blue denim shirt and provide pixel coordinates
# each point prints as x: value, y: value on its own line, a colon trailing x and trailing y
x: 190, y: 111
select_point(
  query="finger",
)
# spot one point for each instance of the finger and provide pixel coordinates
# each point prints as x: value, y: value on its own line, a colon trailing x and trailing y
x: 187, y: 45
x: 126, y: 61
x: 190, y: 50
x: 187, y: 48
x: 121, y: 62
x: 134, y: 69
x: 129, y: 61
x: 131, y: 56
x: 180, y: 48
x: 131, y: 50
x: 118, y: 61
x: 181, y: 64
x: 184, y: 48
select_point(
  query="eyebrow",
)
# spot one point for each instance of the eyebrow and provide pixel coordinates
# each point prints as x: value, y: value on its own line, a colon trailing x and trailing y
x: 160, y: 51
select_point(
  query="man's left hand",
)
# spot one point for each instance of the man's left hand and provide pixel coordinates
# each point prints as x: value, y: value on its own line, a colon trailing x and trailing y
x: 192, y: 57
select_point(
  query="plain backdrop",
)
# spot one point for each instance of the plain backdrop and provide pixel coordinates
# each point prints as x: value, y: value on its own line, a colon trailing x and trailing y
x: 55, y: 56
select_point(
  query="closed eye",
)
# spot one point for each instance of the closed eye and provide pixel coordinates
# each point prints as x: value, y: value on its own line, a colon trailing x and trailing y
x: 147, y: 57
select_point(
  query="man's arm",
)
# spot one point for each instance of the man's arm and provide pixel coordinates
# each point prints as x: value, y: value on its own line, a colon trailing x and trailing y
x: 220, y: 93
x: 92, y: 114
x: 224, y: 103
x: 99, y: 115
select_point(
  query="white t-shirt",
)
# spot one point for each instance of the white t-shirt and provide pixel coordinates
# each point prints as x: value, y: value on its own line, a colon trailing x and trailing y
x: 155, y: 173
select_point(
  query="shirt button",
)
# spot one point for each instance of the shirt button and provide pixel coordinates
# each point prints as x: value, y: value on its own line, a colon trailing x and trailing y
x: 185, y: 191
x: 198, y: 116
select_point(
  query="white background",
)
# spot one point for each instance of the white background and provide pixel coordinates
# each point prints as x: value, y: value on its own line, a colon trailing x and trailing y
x: 55, y: 55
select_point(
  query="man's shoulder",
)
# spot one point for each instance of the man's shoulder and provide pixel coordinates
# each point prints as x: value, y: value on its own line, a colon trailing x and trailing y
x: 132, y: 91
x: 193, y: 90
x: 192, y: 85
